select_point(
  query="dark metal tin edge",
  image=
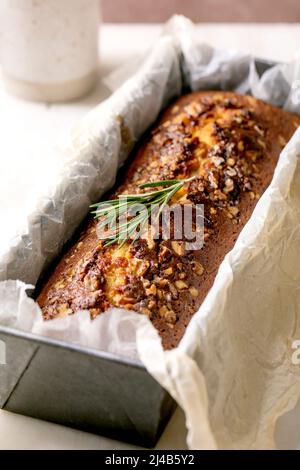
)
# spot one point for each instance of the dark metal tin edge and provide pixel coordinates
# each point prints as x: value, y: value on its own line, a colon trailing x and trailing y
x: 47, y: 340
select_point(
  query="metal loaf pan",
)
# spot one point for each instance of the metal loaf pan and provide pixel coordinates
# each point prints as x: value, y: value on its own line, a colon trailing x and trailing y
x: 83, y: 388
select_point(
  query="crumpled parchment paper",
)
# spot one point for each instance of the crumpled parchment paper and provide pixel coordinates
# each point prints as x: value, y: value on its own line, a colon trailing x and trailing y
x: 232, y: 373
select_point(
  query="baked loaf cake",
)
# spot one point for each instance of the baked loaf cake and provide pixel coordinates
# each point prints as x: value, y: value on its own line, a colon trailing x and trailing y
x: 232, y: 143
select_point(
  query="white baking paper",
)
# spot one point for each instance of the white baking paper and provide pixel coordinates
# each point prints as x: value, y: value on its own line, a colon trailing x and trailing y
x: 233, y: 373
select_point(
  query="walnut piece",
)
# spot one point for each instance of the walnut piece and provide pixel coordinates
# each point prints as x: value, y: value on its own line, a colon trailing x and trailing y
x: 91, y: 283
x: 152, y: 290
x: 63, y: 310
x: 197, y: 268
x: 181, y: 285
x: 178, y: 247
x: 193, y: 291
x: 167, y: 314
x: 168, y: 271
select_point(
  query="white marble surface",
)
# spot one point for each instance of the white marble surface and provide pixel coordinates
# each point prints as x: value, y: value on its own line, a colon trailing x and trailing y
x: 31, y: 135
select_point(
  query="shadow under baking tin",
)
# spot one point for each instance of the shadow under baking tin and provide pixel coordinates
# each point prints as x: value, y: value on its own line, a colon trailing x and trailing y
x: 84, y: 388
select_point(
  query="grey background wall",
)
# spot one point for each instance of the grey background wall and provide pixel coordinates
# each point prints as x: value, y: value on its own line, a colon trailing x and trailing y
x: 202, y: 10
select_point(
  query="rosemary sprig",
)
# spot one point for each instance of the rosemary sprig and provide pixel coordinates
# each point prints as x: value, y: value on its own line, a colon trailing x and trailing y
x: 124, y: 215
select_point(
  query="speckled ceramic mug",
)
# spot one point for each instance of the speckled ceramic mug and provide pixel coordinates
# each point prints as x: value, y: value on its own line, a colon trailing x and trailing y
x: 49, y: 48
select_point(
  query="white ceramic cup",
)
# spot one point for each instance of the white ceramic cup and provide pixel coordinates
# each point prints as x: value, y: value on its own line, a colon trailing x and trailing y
x: 49, y: 48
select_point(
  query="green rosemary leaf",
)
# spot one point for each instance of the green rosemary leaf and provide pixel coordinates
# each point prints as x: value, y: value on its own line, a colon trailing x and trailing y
x: 136, y: 210
x: 158, y: 183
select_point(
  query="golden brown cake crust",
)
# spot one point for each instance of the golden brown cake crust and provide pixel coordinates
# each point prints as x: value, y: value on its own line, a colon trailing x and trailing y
x: 232, y: 143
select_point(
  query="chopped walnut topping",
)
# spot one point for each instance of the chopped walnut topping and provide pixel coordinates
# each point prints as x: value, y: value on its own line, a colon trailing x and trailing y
x: 146, y: 311
x: 197, y: 268
x: 91, y: 282
x: 229, y: 185
x: 217, y: 161
x: 161, y: 282
x: 259, y: 130
x: 218, y: 195
x: 193, y: 291
x: 143, y: 266
x: 181, y: 285
x: 193, y: 109
x: 173, y: 291
x: 64, y: 310
x: 178, y: 247
x: 233, y: 210
x: 146, y: 283
x: 231, y: 172
x: 159, y: 294
x: 241, y: 146
x: 281, y: 141
x: 60, y: 284
x: 94, y: 312
x: 150, y: 242
x: 168, y: 315
x: 261, y: 143
x: 152, y: 304
x: 238, y: 119
x: 164, y: 253
x: 168, y: 271
x: 152, y: 290
x: 213, y: 180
